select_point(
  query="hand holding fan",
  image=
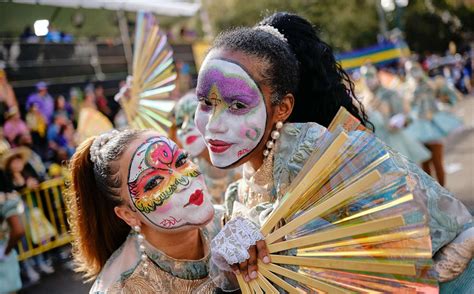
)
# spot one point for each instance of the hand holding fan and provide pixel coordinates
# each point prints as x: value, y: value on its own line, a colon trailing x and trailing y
x: 148, y: 103
x: 350, y: 224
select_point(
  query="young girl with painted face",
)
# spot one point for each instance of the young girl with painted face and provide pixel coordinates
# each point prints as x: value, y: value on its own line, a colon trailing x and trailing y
x: 187, y: 134
x: 141, y: 215
x: 266, y: 95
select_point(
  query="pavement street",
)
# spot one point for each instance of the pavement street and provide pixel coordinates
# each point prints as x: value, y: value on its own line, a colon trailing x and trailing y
x: 459, y: 156
x: 459, y: 162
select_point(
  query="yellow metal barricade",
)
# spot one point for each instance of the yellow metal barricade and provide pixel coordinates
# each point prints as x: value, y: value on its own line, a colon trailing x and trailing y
x: 44, y: 219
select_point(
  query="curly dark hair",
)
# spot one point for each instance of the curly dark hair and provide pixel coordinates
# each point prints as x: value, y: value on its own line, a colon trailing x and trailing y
x: 304, y: 65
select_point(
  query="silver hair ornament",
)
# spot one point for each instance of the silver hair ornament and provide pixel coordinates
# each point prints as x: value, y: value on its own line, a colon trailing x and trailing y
x: 271, y: 30
x: 97, y: 144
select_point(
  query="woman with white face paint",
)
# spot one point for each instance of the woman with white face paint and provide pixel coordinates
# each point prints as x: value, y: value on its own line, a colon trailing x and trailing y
x: 189, y: 137
x: 141, y: 215
x: 266, y: 95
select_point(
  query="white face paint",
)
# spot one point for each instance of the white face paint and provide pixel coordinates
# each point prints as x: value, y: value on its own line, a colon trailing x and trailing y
x: 188, y: 134
x: 166, y: 188
x: 232, y: 114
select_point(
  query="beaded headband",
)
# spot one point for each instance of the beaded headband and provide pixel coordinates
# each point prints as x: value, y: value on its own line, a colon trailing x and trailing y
x: 271, y: 30
x: 99, y: 141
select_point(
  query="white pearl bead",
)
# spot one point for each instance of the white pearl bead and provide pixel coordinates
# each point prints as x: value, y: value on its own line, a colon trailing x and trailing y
x: 266, y: 152
x: 270, y: 144
x: 144, y: 257
x: 140, y: 238
x: 279, y: 125
x: 137, y: 229
x: 142, y: 248
x: 275, y: 135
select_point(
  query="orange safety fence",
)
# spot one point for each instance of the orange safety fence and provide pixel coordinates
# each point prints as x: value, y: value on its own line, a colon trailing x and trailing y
x: 45, y: 219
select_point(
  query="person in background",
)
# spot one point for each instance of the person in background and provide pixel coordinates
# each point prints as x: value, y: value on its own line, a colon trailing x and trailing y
x: 66, y: 142
x: 53, y: 136
x: 14, y: 125
x: 76, y: 96
x: 44, y: 101
x: 54, y: 35
x: 22, y: 176
x: 4, y: 144
x: 36, y: 122
x: 101, y: 100
x: 7, y: 96
x: 34, y: 160
x: 389, y: 114
x: 61, y: 106
x: 28, y: 36
x: 11, y: 231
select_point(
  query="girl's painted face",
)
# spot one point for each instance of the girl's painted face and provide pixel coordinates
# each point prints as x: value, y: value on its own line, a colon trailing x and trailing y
x: 187, y: 133
x: 231, y: 114
x: 166, y: 188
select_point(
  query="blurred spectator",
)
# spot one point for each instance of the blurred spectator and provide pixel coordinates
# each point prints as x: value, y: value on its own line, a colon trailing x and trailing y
x: 18, y: 172
x: 61, y: 106
x: 36, y: 122
x: 66, y: 142
x: 4, y: 145
x: 101, y: 100
x: 21, y: 175
x: 7, y: 96
x: 53, y: 136
x: 53, y: 36
x: 67, y: 37
x: 34, y: 160
x: 28, y: 36
x: 11, y: 231
x: 44, y: 101
x: 14, y: 125
x: 75, y: 100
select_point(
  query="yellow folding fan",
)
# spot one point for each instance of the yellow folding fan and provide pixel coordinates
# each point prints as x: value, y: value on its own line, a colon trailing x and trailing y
x: 148, y: 104
x: 350, y: 223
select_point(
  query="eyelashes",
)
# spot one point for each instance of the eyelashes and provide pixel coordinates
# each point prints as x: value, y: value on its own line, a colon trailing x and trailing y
x: 153, y: 183
x: 235, y: 107
x: 182, y: 159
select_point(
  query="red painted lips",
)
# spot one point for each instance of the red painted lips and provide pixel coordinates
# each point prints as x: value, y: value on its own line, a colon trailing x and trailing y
x: 197, y: 198
x: 218, y: 146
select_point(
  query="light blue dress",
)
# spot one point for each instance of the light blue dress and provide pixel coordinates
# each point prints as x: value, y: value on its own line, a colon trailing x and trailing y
x: 10, y: 280
x: 430, y: 124
x: 400, y: 139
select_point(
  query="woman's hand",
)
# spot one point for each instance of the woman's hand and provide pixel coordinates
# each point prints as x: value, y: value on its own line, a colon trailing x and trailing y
x: 32, y: 183
x: 248, y: 269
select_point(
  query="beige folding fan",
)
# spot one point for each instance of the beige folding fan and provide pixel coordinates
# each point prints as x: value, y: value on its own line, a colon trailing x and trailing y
x: 350, y: 223
x: 148, y: 104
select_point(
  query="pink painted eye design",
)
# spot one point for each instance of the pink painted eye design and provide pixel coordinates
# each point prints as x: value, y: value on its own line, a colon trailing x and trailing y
x: 158, y: 154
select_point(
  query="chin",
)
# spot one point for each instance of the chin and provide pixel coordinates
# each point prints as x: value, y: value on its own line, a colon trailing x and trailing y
x: 205, y: 217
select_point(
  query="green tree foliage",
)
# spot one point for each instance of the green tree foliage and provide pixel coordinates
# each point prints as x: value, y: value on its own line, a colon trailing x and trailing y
x: 351, y: 24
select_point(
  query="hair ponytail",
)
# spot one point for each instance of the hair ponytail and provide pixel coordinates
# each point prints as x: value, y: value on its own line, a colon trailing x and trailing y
x: 94, y: 193
x: 323, y: 85
x: 303, y: 65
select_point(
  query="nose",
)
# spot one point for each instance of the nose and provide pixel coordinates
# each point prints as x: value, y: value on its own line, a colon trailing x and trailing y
x: 217, y: 123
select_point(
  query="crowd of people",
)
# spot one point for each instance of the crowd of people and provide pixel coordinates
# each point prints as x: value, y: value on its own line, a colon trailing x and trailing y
x: 411, y: 112
x: 37, y: 138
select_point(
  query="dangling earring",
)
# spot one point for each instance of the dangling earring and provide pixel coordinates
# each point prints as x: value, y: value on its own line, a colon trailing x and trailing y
x: 274, y: 136
x: 142, y: 249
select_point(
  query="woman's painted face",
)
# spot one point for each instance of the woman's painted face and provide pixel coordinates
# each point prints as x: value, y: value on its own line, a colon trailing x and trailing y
x: 231, y: 114
x: 187, y: 133
x: 166, y: 188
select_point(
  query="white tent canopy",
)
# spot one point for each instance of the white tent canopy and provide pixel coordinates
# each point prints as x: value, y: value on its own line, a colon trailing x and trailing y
x: 162, y: 7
